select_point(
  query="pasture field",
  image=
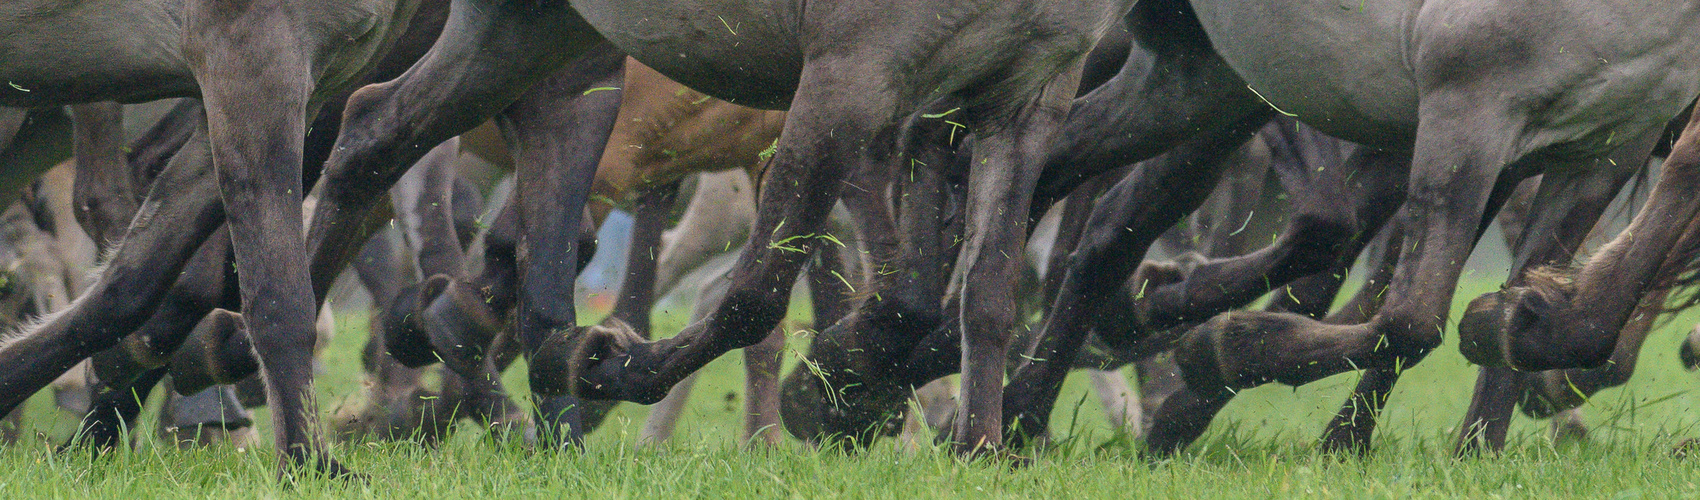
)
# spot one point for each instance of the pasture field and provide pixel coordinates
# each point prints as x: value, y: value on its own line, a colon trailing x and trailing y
x: 1260, y: 447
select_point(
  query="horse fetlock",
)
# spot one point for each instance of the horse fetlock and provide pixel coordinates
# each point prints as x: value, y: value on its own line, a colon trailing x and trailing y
x: 405, y: 339
x: 130, y: 358
x: 1155, y: 285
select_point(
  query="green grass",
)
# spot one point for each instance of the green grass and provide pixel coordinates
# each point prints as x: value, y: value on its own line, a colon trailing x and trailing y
x: 1260, y: 447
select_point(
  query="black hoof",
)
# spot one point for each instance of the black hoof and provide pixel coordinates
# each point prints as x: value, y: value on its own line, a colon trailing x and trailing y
x: 848, y: 390
x: 217, y: 352
x: 1690, y: 350
x: 457, y: 323
x: 404, y: 338
x: 1523, y: 328
x: 563, y: 364
x: 1481, y: 331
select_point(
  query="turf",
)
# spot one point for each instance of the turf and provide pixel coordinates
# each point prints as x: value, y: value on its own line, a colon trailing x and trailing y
x: 1260, y: 447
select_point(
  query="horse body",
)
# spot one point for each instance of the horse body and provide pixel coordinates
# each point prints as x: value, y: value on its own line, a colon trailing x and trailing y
x: 1339, y: 66
x: 68, y: 52
x: 65, y: 52
x: 753, y: 53
x: 1359, y: 70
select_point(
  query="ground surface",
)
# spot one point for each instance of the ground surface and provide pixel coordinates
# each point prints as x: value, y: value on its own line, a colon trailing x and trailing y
x: 1260, y: 447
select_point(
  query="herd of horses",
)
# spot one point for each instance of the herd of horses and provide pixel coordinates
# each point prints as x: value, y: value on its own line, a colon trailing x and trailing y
x: 896, y: 156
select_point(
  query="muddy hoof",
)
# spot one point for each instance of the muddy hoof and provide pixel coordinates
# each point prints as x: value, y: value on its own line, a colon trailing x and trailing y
x: 1569, y: 427
x: 216, y: 352
x: 419, y: 415
x: 1690, y: 350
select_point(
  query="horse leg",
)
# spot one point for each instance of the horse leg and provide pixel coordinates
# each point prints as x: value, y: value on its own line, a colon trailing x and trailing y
x: 492, y: 53
x: 1120, y: 400
x: 1127, y: 219
x: 1466, y: 160
x: 39, y: 140
x: 637, y: 289
x: 832, y: 123
x: 470, y: 384
x: 857, y: 376
x: 113, y: 411
x: 1339, y: 211
x: 557, y: 132
x: 104, y: 198
x: 1530, y: 333
x: 182, y: 211
x: 1006, y: 167
x: 761, y: 390
x: 205, y: 283
x: 1569, y: 203
x: 1172, y: 85
x: 1557, y: 391
x: 257, y: 93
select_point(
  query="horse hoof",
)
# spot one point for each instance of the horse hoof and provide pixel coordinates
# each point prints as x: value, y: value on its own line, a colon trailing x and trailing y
x: 216, y: 352
x: 847, y: 392
x: 1690, y: 350
x: 565, y: 361
x: 1481, y: 332
x: 800, y: 405
x: 1569, y: 427
x: 1522, y: 327
x: 457, y: 323
x: 404, y: 338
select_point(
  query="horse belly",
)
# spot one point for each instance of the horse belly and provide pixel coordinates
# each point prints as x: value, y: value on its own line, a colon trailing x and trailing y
x: 744, y: 52
x: 1338, y: 65
x: 64, y: 52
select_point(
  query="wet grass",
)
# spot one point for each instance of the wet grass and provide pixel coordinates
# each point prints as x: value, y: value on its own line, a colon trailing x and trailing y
x: 1260, y: 447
